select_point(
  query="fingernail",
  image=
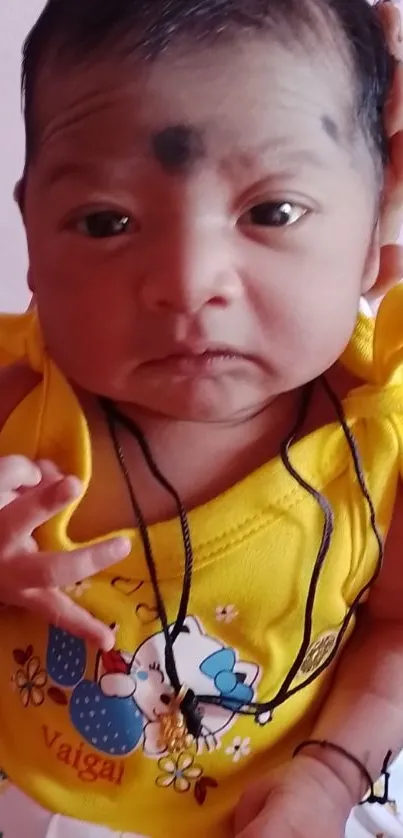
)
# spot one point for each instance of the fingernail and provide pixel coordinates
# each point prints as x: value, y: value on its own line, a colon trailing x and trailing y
x: 108, y: 643
x: 121, y: 547
x: 72, y: 486
x: 75, y: 482
x: 48, y: 466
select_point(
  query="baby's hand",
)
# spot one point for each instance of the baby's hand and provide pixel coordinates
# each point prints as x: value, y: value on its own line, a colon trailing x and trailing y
x: 304, y: 799
x: 31, y: 494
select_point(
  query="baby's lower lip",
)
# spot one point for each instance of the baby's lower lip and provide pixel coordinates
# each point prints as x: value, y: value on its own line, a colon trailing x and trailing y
x: 210, y: 362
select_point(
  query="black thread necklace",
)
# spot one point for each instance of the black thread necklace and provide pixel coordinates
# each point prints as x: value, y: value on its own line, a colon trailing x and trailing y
x: 115, y: 417
x: 187, y: 702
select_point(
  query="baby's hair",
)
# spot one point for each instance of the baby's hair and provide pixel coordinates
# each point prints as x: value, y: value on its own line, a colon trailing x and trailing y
x: 72, y: 31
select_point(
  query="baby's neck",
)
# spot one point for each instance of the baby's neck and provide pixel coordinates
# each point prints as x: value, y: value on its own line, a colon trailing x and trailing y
x: 202, y: 460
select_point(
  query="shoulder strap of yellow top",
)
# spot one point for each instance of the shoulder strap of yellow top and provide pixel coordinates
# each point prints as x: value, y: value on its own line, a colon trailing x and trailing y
x: 388, y: 339
x: 358, y: 355
x: 21, y: 339
x: 49, y: 414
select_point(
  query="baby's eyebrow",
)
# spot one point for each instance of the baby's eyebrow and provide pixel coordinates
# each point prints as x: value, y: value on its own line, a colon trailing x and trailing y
x: 67, y: 170
x: 282, y: 151
x: 85, y: 170
x: 177, y: 150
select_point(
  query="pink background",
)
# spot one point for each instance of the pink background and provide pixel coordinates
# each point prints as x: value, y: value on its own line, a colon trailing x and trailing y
x: 16, y: 17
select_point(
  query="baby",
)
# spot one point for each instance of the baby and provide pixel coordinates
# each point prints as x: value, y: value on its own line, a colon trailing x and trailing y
x: 202, y: 428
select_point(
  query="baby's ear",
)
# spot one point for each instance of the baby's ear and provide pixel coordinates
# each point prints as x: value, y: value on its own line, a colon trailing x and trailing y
x: 31, y: 286
x: 18, y: 194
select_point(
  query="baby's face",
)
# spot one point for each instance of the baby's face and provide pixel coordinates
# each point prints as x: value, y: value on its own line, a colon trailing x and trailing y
x: 213, y: 203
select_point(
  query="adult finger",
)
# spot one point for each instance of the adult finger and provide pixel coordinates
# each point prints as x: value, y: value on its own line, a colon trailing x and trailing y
x: 16, y: 472
x: 58, y: 609
x: 394, y: 105
x: 250, y: 806
x: 391, y: 217
x: 392, y: 212
x: 265, y: 827
x: 391, y: 268
x: 390, y: 271
x: 59, y: 570
x: 395, y: 188
x: 390, y: 17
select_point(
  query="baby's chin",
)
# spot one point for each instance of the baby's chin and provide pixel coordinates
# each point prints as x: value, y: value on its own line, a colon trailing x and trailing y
x: 207, y: 402
x: 228, y: 397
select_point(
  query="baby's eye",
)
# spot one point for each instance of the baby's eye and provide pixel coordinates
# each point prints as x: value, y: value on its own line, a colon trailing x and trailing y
x: 274, y: 214
x: 104, y: 224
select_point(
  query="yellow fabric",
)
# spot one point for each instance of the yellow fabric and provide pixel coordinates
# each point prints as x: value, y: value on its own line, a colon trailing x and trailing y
x: 74, y: 747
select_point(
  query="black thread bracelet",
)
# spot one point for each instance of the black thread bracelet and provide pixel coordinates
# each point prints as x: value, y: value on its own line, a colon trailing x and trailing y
x: 331, y: 746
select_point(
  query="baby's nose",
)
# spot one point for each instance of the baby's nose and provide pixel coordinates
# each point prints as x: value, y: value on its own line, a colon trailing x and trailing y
x: 194, y: 271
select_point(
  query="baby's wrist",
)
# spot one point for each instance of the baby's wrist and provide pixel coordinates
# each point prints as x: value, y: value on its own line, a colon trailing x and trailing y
x: 341, y: 775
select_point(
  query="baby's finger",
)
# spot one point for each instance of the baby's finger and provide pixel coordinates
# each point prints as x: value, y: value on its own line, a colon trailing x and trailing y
x: 8, y: 497
x: 58, y: 609
x: 50, y: 474
x: 32, y: 509
x: 59, y: 570
x: 50, y: 471
x: 16, y: 471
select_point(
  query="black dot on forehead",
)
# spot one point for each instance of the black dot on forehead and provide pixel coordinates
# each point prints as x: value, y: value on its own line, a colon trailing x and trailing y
x: 332, y: 130
x: 178, y: 148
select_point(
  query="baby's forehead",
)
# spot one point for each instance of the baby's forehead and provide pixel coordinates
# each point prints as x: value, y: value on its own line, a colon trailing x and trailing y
x: 187, y: 107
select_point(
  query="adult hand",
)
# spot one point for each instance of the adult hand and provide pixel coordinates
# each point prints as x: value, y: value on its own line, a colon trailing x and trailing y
x: 304, y: 799
x: 391, y: 221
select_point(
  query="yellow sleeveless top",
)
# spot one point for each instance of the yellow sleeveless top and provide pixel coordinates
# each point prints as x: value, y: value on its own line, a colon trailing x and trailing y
x: 80, y: 731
